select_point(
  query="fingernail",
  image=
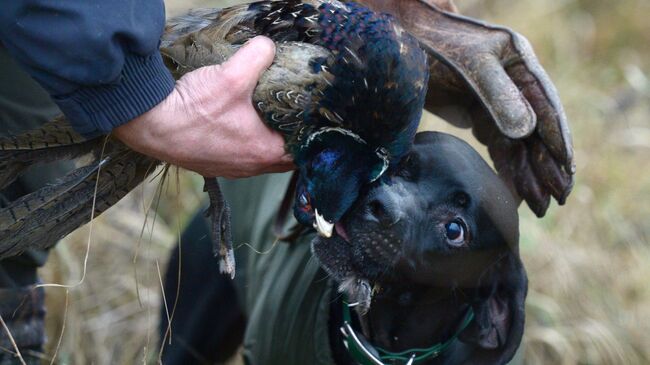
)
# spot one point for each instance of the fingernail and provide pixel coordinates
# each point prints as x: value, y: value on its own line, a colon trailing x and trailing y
x: 250, y: 40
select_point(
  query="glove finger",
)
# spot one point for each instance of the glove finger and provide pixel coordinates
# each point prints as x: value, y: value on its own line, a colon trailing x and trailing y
x: 552, y: 124
x: 520, y: 169
x: 509, y: 109
x: 501, y: 153
x: 549, y: 172
x: 527, y: 183
x: 506, y: 153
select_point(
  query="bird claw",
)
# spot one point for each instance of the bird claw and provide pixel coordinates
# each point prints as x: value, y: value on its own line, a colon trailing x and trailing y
x: 219, y: 212
x: 227, y: 262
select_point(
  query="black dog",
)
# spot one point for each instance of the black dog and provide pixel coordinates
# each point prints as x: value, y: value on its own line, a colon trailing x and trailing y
x: 438, y: 239
x: 428, y: 258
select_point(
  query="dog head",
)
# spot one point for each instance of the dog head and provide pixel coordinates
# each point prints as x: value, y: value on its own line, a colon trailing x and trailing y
x: 434, y: 240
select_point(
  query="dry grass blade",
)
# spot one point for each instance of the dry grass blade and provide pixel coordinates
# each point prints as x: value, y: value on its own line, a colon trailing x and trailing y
x: 90, y: 232
x: 65, y: 316
x: 13, y: 342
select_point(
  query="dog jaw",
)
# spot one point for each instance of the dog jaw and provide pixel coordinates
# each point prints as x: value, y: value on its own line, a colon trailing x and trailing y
x: 359, y: 293
x: 335, y: 257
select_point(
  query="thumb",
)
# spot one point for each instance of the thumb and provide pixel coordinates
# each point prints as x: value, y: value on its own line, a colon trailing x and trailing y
x: 251, y: 60
x: 510, y: 110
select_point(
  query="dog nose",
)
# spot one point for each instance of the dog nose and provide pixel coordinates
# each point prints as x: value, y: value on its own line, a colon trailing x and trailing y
x: 381, y: 211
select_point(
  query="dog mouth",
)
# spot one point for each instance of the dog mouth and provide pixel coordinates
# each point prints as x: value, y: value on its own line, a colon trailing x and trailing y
x: 371, y: 252
x: 340, y: 230
x: 359, y: 259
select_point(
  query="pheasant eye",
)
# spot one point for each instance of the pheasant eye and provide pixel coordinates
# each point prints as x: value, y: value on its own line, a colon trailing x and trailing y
x: 303, y: 199
x: 455, y: 232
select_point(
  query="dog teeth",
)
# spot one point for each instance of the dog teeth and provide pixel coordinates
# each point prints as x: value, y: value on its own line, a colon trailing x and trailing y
x: 364, y: 296
x: 323, y: 227
x: 359, y: 293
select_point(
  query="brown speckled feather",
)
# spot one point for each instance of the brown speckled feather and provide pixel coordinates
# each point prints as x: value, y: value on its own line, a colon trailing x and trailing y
x: 41, y: 218
x: 289, y: 90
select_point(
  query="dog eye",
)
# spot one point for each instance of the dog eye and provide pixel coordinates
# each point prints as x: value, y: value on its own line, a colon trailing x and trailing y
x: 455, y: 232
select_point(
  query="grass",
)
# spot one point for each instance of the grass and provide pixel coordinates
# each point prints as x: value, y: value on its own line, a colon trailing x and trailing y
x: 588, y: 261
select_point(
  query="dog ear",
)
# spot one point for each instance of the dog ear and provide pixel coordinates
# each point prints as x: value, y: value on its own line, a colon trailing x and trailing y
x: 499, y: 314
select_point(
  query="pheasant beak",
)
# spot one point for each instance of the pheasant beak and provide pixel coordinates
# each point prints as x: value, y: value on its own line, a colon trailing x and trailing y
x: 323, y: 227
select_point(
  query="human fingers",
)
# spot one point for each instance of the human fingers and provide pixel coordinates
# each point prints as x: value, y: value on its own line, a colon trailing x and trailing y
x: 249, y: 62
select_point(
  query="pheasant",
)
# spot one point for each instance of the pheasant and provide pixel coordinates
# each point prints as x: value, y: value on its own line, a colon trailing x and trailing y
x: 346, y: 89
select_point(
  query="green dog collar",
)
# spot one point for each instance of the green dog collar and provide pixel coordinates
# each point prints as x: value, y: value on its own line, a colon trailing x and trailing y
x: 364, y: 353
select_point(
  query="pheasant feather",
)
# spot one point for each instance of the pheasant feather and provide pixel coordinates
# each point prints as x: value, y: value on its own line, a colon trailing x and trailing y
x: 346, y: 90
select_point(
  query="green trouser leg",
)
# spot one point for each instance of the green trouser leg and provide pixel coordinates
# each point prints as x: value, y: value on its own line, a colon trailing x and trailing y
x: 280, y: 288
x: 24, y: 105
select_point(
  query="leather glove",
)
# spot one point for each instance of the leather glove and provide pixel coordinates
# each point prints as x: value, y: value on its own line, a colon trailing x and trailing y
x: 487, y: 77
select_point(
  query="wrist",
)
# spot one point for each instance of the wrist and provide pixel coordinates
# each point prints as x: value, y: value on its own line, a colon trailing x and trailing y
x: 149, y: 133
x: 98, y: 109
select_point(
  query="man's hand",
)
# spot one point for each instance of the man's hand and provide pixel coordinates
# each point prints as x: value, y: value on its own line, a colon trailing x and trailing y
x: 488, y: 78
x: 208, y: 123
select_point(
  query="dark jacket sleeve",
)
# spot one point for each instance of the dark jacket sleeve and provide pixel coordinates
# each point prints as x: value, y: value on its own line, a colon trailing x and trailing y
x: 98, y: 59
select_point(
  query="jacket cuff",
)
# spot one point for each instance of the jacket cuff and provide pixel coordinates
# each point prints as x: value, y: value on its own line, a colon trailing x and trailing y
x: 96, y: 110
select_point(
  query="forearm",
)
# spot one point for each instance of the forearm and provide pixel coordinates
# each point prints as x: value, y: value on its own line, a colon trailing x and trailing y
x: 98, y: 60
